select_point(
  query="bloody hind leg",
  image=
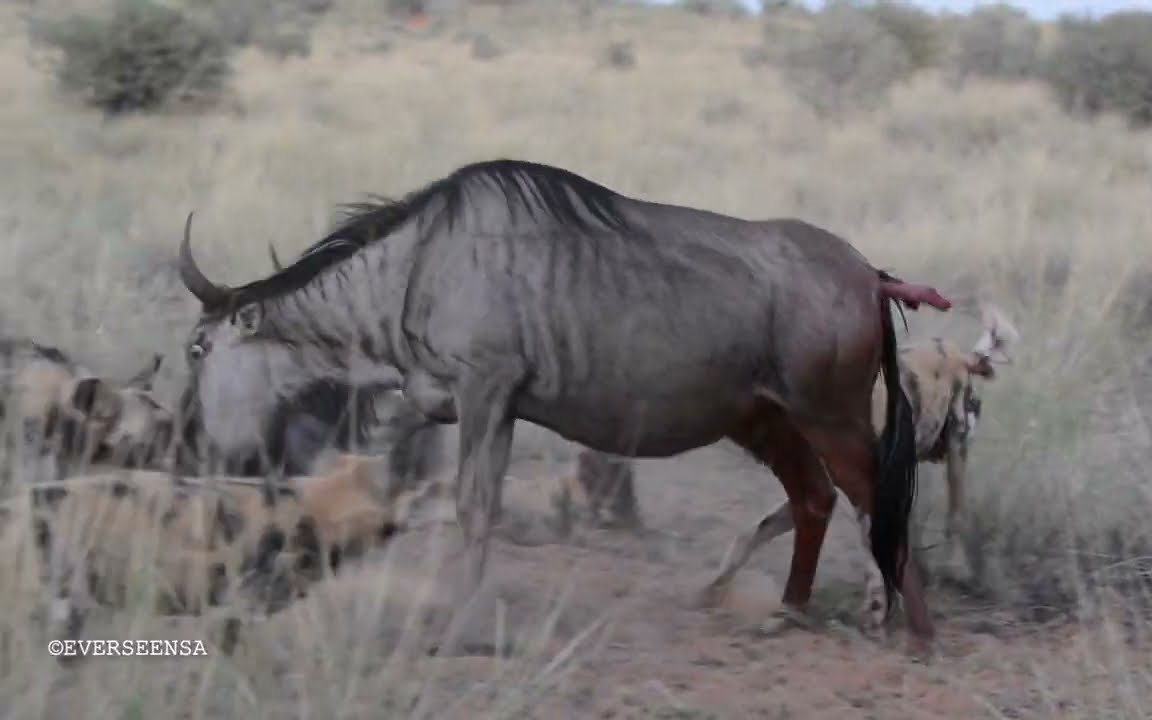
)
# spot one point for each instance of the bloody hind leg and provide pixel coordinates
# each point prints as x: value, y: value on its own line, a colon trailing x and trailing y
x: 848, y: 453
x: 774, y: 440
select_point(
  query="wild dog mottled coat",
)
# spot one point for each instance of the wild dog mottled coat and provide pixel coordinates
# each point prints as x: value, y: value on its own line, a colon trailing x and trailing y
x: 53, y: 407
x: 201, y: 543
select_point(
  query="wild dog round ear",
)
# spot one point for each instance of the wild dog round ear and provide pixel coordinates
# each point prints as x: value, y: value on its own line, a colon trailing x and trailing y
x: 94, y: 398
x: 147, y: 375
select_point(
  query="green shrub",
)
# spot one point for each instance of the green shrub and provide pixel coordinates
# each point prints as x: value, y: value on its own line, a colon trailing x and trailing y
x: 847, y: 60
x: 262, y: 23
x: 138, y: 55
x: 913, y: 28
x: 1105, y: 66
x: 996, y: 41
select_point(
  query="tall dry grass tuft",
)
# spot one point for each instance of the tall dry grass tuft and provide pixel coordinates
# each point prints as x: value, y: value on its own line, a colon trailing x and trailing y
x: 987, y: 191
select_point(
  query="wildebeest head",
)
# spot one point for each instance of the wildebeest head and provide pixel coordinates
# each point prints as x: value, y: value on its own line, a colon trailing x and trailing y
x: 255, y: 400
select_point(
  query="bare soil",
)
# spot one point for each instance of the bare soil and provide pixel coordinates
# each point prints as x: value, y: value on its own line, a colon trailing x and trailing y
x: 603, y: 625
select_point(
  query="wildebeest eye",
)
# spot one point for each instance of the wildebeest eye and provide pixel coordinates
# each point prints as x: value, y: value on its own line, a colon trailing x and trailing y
x: 196, y: 351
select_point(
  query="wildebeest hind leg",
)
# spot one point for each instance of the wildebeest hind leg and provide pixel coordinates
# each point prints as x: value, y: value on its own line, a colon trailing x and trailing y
x: 774, y: 440
x: 849, y: 455
x: 777, y: 523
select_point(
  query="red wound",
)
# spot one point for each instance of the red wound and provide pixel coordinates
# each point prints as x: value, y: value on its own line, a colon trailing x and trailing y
x: 912, y: 295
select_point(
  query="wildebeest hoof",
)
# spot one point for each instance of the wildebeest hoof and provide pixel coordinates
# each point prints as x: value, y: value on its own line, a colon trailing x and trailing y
x: 921, y: 650
x: 712, y: 596
x: 786, y: 618
x: 871, y: 630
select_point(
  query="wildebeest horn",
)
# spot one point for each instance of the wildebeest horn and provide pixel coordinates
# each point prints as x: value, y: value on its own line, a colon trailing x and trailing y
x: 206, y: 291
x: 275, y: 260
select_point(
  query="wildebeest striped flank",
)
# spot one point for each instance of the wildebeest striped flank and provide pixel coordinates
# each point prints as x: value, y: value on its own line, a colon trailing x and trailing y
x: 511, y: 290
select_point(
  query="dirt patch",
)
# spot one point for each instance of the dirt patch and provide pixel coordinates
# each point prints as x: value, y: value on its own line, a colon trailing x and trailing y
x: 604, y: 625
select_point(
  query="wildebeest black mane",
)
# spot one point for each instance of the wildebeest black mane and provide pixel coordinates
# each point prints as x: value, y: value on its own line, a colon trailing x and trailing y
x: 544, y: 191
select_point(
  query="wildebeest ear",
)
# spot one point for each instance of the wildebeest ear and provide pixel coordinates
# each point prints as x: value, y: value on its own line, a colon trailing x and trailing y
x: 93, y: 396
x: 147, y: 374
x: 248, y: 318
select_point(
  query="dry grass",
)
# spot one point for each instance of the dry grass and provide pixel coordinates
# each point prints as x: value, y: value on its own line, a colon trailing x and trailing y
x: 987, y: 191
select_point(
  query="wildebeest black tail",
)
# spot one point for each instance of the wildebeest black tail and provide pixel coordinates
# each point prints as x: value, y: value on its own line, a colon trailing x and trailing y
x: 895, y: 487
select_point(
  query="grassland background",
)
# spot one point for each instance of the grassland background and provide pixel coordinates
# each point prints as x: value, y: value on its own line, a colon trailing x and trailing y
x: 987, y: 190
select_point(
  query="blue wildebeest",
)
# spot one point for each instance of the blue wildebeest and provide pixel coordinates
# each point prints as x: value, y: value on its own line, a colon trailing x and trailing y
x: 938, y: 378
x: 56, y: 410
x: 511, y: 290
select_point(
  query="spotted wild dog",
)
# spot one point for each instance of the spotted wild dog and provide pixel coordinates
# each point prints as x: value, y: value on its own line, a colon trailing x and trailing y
x: 200, y: 543
x: 55, y: 409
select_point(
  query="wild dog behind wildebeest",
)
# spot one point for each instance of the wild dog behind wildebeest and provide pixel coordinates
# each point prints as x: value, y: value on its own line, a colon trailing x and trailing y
x: 605, y: 484
x: 488, y: 290
x: 938, y: 377
x: 198, y: 543
x: 55, y: 409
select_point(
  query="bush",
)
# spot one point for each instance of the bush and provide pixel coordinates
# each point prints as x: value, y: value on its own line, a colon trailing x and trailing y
x: 137, y: 56
x: 847, y: 60
x: 281, y: 28
x: 997, y: 41
x: 913, y: 28
x: 1105, y: 66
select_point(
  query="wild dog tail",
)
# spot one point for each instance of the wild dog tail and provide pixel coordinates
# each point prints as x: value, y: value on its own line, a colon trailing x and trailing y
x: 895, y: 488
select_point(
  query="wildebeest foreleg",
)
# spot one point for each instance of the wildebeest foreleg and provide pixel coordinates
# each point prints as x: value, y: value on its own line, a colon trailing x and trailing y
x: 486, y: 430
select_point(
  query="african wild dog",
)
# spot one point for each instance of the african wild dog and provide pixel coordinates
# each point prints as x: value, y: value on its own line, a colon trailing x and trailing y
x: 605, y: 484
x: 938, y: 378
x: 200, y: 544
x: 57, y: 410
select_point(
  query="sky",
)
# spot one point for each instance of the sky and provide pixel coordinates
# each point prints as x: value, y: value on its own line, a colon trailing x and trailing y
x: 1041, y: 9
x: 1045, y: 9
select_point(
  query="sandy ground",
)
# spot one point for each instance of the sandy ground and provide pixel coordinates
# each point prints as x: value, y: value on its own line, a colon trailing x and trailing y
x: 603, y: 625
